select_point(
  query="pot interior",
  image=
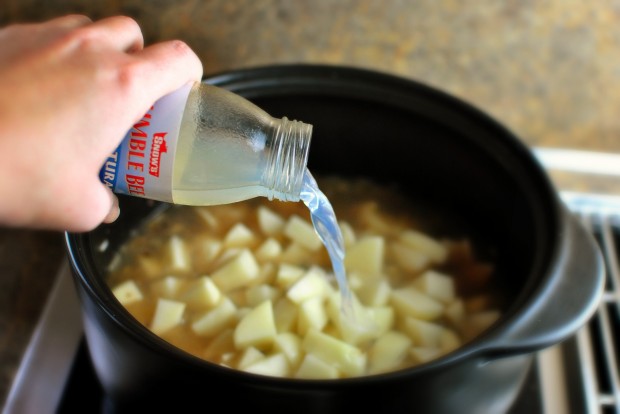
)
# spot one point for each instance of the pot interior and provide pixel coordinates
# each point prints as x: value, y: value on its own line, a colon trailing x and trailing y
x: 470, y: 175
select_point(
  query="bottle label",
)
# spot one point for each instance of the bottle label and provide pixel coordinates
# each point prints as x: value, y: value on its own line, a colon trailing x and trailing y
x: 142, y: 164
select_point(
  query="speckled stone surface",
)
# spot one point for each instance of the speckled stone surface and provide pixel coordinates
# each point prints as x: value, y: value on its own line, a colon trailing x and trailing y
x: 549, y: 70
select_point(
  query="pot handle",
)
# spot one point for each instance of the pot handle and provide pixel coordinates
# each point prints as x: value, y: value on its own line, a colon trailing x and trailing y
x: 564, y: 304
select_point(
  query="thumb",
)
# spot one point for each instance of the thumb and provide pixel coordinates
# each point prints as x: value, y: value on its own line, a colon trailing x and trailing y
x: 115, y: 210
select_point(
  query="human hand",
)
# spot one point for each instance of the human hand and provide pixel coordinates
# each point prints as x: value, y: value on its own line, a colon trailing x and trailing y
x: 70, y: 89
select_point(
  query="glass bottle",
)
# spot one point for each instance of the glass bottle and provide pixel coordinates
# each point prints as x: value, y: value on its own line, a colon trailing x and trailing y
x: 204, y: 145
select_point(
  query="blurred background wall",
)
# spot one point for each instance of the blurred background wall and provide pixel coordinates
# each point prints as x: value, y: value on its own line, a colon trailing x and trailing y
x: 548, y: 69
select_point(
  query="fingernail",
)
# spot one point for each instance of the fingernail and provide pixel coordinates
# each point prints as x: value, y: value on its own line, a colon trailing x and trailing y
x: 114, y: 212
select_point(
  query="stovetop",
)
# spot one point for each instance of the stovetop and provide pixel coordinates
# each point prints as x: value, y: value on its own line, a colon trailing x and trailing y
x: 580, y: 375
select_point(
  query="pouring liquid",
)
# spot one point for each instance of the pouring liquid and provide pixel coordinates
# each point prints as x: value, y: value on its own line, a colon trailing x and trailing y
x: 326, y: 226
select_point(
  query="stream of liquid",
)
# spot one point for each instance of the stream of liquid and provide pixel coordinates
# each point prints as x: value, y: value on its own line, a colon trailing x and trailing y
x: 326, y: 225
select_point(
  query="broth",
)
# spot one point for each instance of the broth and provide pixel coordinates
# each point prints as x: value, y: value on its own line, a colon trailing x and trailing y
x: 250, y: 286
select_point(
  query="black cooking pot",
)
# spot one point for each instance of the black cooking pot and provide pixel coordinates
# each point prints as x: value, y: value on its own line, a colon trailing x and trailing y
x: 435, y: 148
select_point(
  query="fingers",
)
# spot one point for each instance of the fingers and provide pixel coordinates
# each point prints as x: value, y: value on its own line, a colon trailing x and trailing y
x: 168, y: 66
x: 67, y: 23
x: 114, y: 212
x: 120, y: 32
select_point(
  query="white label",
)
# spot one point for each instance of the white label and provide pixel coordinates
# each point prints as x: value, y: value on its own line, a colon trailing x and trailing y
x: 142, y: 164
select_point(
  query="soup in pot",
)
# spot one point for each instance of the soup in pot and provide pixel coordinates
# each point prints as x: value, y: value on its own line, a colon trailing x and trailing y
x: 249, y: 285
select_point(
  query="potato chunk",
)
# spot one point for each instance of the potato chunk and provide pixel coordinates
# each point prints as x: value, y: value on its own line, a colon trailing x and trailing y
x: 178, y: 255
x: 288, y: 344
x: 168, y: 314
x: 275, y: 366
x: 348, y: 359
x: 169, y: 287
x: 409, y: 301
x: 202, y: 294
x: 424, y: 333
x: 269, y: 222
x: 269, y: 250
x: 366, y: 256
x: 128, y: 292
x: 257, y: 328
x: 315, y: 368
x: 312, y: 284
x: 436, y: 251
x: 312, y: 315
x: 302, y: 232
x: 388, y: 352
x: 214, y: 320
x: 249, y: 356
x: 239, y: 236
x: 436, y: 285
x: 237, y: 272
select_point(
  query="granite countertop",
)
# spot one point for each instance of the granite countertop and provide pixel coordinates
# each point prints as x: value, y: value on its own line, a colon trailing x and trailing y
x: 550, y: 71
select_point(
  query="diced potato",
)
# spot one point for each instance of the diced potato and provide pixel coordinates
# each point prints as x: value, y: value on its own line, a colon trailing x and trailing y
x: 288, y: 274
x: 178, y: 254
x: 381, y: 318
x: 202, y: 294
x: 213, y: 321
x: 424, y: 333
x: 169, y: 287
x: 373, y: 219
x: 312, y: 315
x: 270, y: 249
x: 355, y: 281
x: 275, y: 366
x: 408, y: 301
x: 296, y: 254
x: 239, y: 236
x: 354, y: 324
x: 249, y: 356
x: 422, y: 355
x: 312, y: 284
x: 207, y: 217
x: 314, y: 368
x: 366, y: 256
x: 206, y: 251
x: 258, y: 294
x: 285, y: 315
x: 348, y: 234
x: 222, y: 344
x: 408, y: 258
x: 436, y: 285
x: 257, y: 328
x: 449, y: 341
x: 128, y: 292
x: 236, y: 273
x: 374, y: 292
x: 347, y: 358
x: 270, y: 223
x: 168, y: 314
x: 289, y: 344
x: 225, y: 256
x: 425, y: 244
x: 302, y: 232
x: 388, y: 352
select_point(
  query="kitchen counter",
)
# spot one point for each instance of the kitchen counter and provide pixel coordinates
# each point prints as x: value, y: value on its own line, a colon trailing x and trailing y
x: 550, y: 71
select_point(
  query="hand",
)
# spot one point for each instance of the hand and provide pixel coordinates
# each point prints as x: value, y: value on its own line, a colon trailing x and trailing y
x: 70, y: 89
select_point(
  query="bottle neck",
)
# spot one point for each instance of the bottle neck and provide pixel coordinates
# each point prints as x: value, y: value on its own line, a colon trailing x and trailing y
x: 288, y: 159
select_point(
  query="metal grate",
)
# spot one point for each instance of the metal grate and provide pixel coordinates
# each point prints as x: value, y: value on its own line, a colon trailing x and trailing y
x: 591, y: 358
